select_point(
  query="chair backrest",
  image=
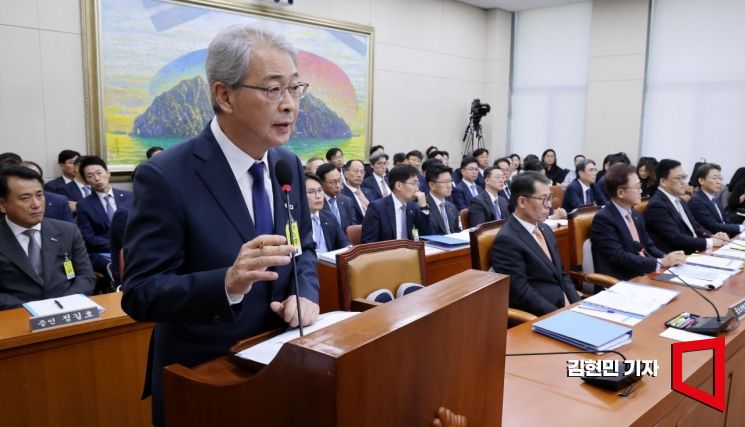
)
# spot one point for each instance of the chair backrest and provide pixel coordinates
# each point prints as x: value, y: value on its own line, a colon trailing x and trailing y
x: 580, y: 221
x: 354, y: 234
x: 482, y: 239
x: 372, y: 266
x: 557, y: 194
x: 464, y: 218
x: 642, y: 206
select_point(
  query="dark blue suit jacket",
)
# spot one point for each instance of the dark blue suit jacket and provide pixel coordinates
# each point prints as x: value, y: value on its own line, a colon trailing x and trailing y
x: 57, y: 186
x: 667, y: 229
x: 380, y: 221
x: 346, y: 211
x: 574, y: 197
x: 332, y: 232
x: 462, y: 195
x: 371, y: 184
x: 357, y: 210
x: 72, y: 191
x: 537, y: 285
x: 93, y: 222
x: 186, y: 226
x: 437, y: 224
x: 480, y: 209
x: 706, y: 214
x: 613, y: 250
x: 116, y: 240
x: 57, y: 207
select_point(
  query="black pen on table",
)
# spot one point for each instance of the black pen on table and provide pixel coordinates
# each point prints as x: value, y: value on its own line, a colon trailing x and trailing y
x: 59, y: 304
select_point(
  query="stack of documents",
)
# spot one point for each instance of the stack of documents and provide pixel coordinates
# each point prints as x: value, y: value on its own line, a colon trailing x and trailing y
x: 330, y: 256
x: 626, y: 302
x: 66, y: 304
x: 715, y: 262
x: 448, y: 241
x: 730, y: 250
x: 700, y: 277
x: 585, y: 332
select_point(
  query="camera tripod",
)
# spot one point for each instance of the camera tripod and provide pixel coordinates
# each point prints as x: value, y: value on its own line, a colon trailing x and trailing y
x: 473, y: 138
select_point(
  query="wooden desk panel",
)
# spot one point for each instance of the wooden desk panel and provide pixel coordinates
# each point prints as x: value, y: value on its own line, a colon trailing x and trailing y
x: 89, y: 374
x: 536, y: 386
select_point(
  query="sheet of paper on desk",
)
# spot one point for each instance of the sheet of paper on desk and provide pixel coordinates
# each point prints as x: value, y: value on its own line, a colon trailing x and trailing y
x: 622, y: 318
x: 330, y: 256
x: 553, y: 223
x: 48, y: 307
x: 697, y: 283
x: 630, y: 298
x: 716, y: 262
x: 266, y: 351
x: 731, y: 251
x: 713, y: 275
x: 461, y: 235
x: 681, y: 335
x: 431, y: 250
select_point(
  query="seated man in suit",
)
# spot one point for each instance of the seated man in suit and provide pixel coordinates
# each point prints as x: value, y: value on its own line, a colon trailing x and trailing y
x: 354, y: 173
x: 490, y: 204
x: 443, y: 215
x: 66, y: 162
x: 583, y: 190
x: 481, y: 155
x: 96, y: 211
x: 327, y: 232
x: 705, y: 205
x: 341, y: 206
x: 668, y: 218
x: 377, y: 182
x: 395, y: 216
x: 77, y: 189
x: 415, y: 158
x: 35, y: 250
x: 57, y: 206
x: 467, y: 188
x: 504, y: 164
x: 525, y: 248
x: 335, y: 157
x: 617, y: 231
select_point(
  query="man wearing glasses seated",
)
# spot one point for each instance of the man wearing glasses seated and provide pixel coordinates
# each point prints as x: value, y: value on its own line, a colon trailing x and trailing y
x: 525, y: 248
x: 669, y: 220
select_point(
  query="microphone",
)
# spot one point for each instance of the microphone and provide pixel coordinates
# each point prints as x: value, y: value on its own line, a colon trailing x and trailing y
x: 707, y: 234
x: 283, y: 172
x: 704, y: 325
x: 611, y: 382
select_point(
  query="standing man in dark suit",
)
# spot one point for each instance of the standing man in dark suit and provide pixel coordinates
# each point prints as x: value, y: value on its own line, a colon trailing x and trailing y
x: 395, y: 216
x: 705, y: 205
x: 583, y: 190
x: 443, y: 215
x: 377, y: 181
x: 617, y: 229
x: 490, y: 204
x: 354, y: 172
x: 96, y: 211
x: 525, y: 248
x: 66, y: 162
x: 669, y: 220
x: 341, y: 206
x: 34, y: 249
x: 467, y: 187
x: 327, y: 232
x: 206, y: 253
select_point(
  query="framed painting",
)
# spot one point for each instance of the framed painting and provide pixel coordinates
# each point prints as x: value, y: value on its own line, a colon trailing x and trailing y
x: 146, y: 85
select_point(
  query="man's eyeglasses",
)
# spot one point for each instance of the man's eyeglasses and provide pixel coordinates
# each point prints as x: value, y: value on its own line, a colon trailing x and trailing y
x: 631, y: 187
x: 447, y: 181
x: 545, y: 200
x: 415, y: 183
x: 679, y: 178
x: 277, y: 93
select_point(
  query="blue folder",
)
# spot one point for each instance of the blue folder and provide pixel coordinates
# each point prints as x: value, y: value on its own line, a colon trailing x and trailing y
x: 586, y: 332
x: 443, y: 240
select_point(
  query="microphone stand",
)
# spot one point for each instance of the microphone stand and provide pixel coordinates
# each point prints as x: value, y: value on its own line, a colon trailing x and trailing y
x: 290, y: 222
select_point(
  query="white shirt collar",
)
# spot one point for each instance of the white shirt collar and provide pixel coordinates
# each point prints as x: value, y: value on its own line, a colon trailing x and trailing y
x: 17, y: 229
x: 491, y: 196
x: 528, y: 226
x: 396, y: 203
x: 710, y: 196
x: 621, y: 210
x: 238, y: 160
x: 102, y: 196
x: 354, y: 190
x: 584, y: 187
x: 437, y: 200
x: 669, y: 196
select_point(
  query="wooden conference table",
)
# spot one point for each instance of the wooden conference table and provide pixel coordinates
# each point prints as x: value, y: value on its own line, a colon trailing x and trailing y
x: 438, y: 267
x: 538, y: 392
x: 89, y: 374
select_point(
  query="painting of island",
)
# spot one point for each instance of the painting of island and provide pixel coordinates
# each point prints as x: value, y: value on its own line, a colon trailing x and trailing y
x: 154, y: 92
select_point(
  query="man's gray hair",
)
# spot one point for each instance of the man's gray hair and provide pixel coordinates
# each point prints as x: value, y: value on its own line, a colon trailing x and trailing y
x: 229, y: 54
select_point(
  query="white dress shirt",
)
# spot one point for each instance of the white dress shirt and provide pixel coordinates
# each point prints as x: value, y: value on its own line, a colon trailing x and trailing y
x: 17, y: 231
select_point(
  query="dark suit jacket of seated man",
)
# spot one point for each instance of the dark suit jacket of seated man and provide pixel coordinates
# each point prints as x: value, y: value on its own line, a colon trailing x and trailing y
x: 440, y: 184
x: 463, y: 192
x: 482, y: 208
x: 59, y: 241
x: 205, y: 254
x: 537, y: 284
x: 706, y: 207
x: 380, y: 221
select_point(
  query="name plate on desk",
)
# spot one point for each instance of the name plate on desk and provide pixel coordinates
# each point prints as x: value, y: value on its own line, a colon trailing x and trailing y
x: 62, y: 319
x: 737, y: 310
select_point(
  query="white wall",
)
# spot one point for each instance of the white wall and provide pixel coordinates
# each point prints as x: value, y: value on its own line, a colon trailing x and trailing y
x: 432, y: 57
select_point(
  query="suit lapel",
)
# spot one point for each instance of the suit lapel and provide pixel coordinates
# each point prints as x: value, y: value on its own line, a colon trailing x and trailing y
x: 10, y: 248
x: 218, y: 178
x: 434, y: 210
x: 326, y: 230
x: 555, y: 256
x: 533, y: 244
x: 50, y: 247
x: 98, y: 208
x: 390, y: 212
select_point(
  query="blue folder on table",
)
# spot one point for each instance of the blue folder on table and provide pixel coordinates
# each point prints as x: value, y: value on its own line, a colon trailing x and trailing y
x: 443, y: 240
x: 585, y: 332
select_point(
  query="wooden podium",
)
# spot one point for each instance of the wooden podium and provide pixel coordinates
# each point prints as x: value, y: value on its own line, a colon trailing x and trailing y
x: 393, y: 365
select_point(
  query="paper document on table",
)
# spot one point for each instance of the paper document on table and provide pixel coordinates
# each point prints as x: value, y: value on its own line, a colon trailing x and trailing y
x: 265, y: 352
x: 713, y: 261
x: 431, y: 250
x: 66, y: 304
x: 681, y: 335
x: 630, y: 298
x: 713, y: 275
x: 461, y: 235
x: 330, y: 256
x: 622, y: 318
x: 553, y: 223
x: 731, y: 251
x: 696, y: 283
